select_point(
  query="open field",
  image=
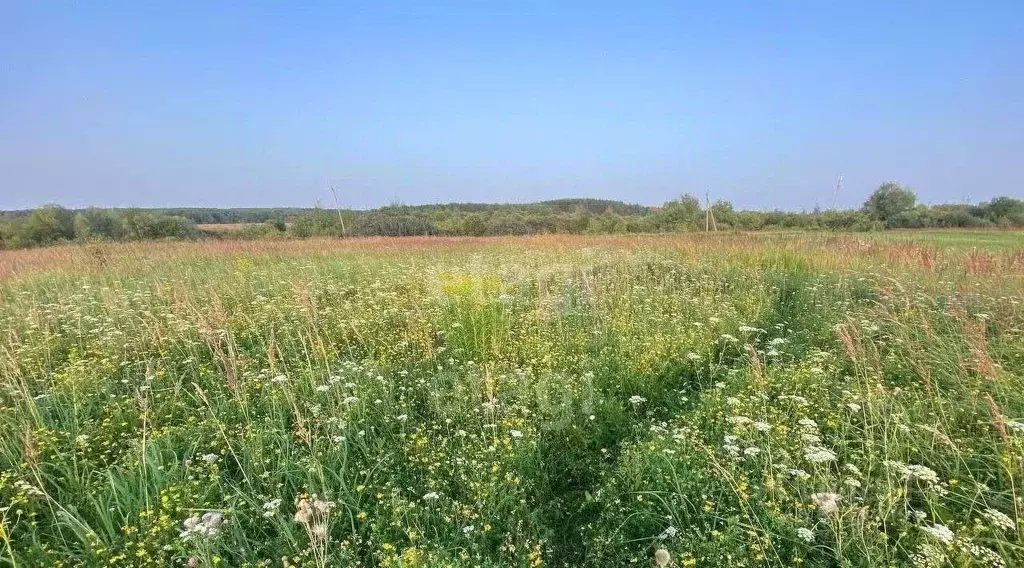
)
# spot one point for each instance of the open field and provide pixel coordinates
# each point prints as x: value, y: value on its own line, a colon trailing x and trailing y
x: 686, y: 400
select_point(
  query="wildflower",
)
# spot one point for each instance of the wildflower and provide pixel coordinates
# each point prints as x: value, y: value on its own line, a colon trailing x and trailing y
x: 279, y: 379
x: 817, y: 454
x: 467, y: 529
x: 732, y: 401
x: 999, y: 519
x: 808, y: 423
x: 662, y: 557
x: 669, y: 532
x: 270, y: 507
x: 810, y: 438
x: 799, y: 473
x: 323, y: 388
x: 729, y: 338
x: 752, y: 451
x: 319, y: 531
x: 940, y: 532
x: 351, y: 400
x: 827, y: 503
x: 762, y: 426
x: 205, y: 526
x: 922, y: 473
x: 1017, y: 427
x: 928, y: 555
x: 430, y: 496
x: 740, y: 420
x: 987, y: 556
x: 853, y: 406
x: 516, y: 434
x: 210, y: 458
x: 805, y: 534
x: 637, y: 400
x: 693, y: 356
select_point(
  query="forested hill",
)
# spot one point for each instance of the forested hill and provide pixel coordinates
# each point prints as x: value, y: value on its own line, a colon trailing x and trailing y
x: 230, y: 215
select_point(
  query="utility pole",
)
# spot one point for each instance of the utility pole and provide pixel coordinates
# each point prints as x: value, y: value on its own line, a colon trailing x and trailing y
x: 835, y: 195
x: 337, y: 205
x: 709, y: 216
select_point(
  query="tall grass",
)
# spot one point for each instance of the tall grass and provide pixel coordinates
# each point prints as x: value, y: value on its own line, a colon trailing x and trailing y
x: 704, y: 400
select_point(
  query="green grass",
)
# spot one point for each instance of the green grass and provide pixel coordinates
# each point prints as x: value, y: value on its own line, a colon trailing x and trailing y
x: 733, y: 400
x: 960, y: 238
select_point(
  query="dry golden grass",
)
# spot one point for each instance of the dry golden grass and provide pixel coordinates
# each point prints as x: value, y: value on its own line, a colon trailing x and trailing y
x: 829, y: 252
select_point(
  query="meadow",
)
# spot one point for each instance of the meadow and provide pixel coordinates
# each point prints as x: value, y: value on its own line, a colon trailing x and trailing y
x: 674, y: 400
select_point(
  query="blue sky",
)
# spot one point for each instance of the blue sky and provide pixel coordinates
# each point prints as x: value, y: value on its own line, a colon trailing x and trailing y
x: 262, y: 104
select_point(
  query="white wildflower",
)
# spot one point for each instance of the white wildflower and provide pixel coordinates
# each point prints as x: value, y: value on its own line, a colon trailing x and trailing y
x: 999, y: 519
x: 941, y: 532
x: 740, y: 420
x: 922, y: 473
x: 807, y: 535
x: 817, y: 454
x: 270, y: 507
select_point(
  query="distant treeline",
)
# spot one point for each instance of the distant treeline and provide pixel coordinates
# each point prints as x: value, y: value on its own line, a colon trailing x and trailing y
x: 890, y: 206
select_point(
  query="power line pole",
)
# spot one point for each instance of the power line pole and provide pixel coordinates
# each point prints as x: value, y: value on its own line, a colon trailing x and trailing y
x: 709, y: 216
x: 835, y: 195
x: 337, y: 205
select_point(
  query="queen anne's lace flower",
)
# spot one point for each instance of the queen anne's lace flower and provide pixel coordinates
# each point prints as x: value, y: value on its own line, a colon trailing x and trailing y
x: 999, y: 519
x: 940, y: 532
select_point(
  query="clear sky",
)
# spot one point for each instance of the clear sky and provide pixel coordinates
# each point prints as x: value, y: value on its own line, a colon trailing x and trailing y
x: 185, y: 103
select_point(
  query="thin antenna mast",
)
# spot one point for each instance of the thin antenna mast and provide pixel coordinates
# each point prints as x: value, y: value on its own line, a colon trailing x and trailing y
x: 337, y: 205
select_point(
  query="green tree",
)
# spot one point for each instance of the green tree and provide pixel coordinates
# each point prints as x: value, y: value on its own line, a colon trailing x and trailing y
x: 48, y: 224
x: 98, y: 223
x: 888, y: 202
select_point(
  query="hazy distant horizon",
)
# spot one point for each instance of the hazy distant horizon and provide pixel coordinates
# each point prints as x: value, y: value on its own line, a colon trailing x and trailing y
x: 237, y: 105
